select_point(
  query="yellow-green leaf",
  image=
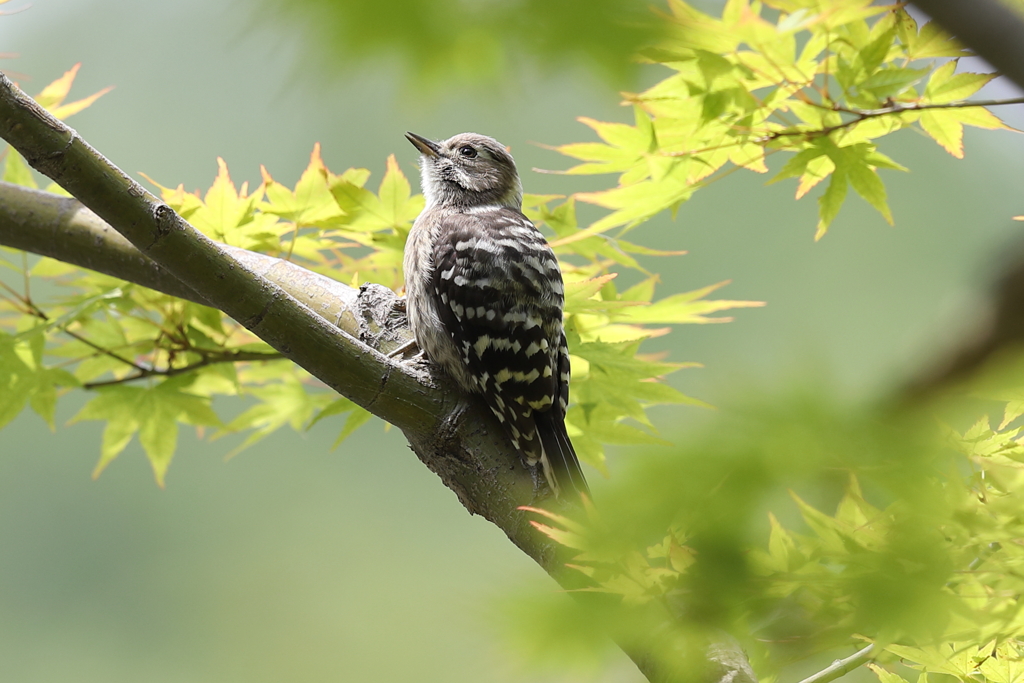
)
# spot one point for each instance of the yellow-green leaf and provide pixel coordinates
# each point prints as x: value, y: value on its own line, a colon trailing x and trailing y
x: 53, y: 95
x: 868, y: 185
x: 947, y: 86
x: 886, y: 676
x: 979, y: 117
x: 399, y: 206
x: 933, y: 41
x: 71, y: 108
x: 892, y: 81
x: 311, y: 203
x: 158, y: 433
x: 357, y: 418
x: 581, y: 290
x: 687, y: 307
x: 635, y: 203
x: 943, y: 127
x: 224, y: 208
x: 831, y: 201
x: 817, y: 170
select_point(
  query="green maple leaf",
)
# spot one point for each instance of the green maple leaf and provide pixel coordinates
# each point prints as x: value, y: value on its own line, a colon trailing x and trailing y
x: 153, y: 413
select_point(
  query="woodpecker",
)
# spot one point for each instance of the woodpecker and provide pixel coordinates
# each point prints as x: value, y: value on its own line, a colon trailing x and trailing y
x: 484, y: 296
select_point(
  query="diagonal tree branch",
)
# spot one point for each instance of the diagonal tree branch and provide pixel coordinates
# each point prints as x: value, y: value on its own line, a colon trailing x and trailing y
x: 63, y: 229
x: 211, y: 359
x: 993, y: 31
x: 330, y: 330
x: 60, y: 227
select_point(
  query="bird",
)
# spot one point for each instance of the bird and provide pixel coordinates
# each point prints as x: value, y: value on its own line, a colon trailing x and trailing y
x: 485, y: 297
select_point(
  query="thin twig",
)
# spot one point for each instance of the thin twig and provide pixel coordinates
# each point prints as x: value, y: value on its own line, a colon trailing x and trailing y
x: 861, y: 115
x: 841, y: 667
x: 15, y: 299
x: 234, y: 357
x: 33, y: 310
x: 865, y: 114
x: 103, y: 351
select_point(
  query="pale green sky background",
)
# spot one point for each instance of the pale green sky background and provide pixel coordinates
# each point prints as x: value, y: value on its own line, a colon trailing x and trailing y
x: 293, y: 563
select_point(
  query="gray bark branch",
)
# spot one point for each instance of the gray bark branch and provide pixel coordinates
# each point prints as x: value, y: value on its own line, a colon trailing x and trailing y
x: 990, y: 28
x: 331, y: 330
x: 65, y: 230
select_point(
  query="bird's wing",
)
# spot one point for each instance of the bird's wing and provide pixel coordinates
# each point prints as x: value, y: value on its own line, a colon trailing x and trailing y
x: 499, y: 294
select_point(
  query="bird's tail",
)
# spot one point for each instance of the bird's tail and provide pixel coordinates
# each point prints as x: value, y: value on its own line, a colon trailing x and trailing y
x: 560, y: 458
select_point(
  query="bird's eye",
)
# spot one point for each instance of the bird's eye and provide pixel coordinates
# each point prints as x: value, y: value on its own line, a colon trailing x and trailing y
x: 467, y: 151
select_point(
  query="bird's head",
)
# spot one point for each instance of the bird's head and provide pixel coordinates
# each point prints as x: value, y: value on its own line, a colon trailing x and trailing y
x: 467, y: 170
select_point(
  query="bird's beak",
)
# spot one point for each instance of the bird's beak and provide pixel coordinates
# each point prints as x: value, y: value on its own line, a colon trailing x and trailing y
x: 426, y: 147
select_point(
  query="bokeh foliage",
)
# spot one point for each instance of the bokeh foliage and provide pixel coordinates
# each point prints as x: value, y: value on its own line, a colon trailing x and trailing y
x: 449, y: 43
x: 804, y: 526
x: 796, y: 524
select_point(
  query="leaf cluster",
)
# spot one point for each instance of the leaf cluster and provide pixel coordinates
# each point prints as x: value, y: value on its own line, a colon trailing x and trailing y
x: 443, y: 42
x: 821, y: 81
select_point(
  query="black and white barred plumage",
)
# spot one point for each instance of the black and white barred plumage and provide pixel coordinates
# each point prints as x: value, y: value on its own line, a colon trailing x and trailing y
x: 484, y: 296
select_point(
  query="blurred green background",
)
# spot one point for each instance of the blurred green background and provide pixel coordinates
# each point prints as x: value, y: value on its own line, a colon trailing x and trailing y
x: 292, y: 562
